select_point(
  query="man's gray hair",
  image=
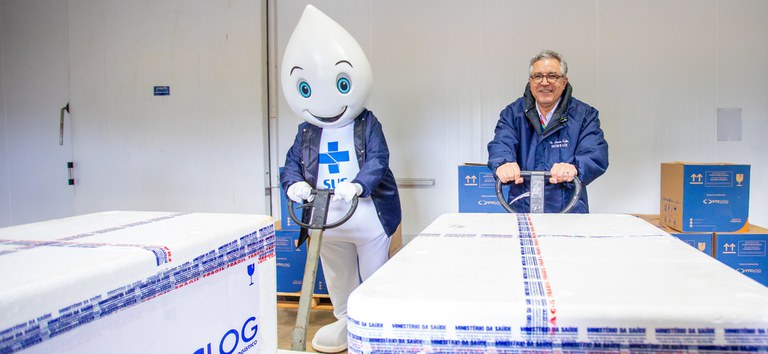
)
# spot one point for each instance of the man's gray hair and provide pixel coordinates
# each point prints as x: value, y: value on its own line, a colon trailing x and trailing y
x: 549, y: 54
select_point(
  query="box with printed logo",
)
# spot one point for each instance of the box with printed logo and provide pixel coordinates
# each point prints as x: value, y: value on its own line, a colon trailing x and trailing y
x: 745, y: 252
x: 291, y: 262
x: 704, y: 197
x: 702, y: 241
x: 477, y: 190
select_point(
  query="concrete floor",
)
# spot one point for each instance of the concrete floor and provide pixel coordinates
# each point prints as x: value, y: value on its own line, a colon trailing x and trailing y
x: 286, y: 320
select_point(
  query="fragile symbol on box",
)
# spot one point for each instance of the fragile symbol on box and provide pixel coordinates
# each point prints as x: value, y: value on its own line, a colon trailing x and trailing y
x: 739, y: 179
x: 251, y: 270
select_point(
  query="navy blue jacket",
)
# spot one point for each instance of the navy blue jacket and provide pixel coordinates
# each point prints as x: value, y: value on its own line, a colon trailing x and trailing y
x: 573, y: 135
x: 377, y: 180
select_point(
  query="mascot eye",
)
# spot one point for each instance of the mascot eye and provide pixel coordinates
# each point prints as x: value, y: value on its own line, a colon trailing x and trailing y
x: 343, y: 85
x: 304, y: 89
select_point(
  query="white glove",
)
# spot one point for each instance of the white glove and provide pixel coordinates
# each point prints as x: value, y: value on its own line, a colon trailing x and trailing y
x: 347, y: 191
x: 300, y: 191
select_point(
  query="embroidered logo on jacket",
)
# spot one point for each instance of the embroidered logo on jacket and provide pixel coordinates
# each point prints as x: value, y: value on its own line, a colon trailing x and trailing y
x: 558, y: 144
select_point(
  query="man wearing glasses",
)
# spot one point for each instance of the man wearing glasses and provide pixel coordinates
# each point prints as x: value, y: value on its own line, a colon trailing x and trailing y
x: 548, y: 130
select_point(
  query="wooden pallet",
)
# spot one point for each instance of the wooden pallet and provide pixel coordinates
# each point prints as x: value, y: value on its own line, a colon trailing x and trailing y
x: 291, y: 301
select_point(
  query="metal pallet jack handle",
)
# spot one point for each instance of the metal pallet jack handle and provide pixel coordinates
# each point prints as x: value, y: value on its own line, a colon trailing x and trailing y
x: 317, y: 225
x: 537, y: 180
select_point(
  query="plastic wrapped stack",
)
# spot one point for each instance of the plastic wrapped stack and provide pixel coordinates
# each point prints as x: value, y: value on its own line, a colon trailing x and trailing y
x: 554, y: 282
x: 139, y: 282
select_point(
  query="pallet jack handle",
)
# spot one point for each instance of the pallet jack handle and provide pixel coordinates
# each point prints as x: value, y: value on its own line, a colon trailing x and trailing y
x: 317, y: 225
x: 537, y: 180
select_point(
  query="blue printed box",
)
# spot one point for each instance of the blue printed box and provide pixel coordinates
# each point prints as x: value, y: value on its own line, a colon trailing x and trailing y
x: 291, y: 262
x: 477, y: 190
x: 702, y: 241
x: 286, y: 223
x: 704, y: 197
x: 699, y: 241
x: 745, y: 252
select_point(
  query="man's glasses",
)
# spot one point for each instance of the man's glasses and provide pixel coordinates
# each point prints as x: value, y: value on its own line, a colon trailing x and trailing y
x: 551, y: 78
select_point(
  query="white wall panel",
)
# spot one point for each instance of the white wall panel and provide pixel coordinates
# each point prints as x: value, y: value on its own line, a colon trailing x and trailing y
x: 742, y: 54
x: 656, y: 82
x: 5, y: 183
x: 33, y: 175
x: 427, y: 93
x: 657, y: 71
x: 198, y: 149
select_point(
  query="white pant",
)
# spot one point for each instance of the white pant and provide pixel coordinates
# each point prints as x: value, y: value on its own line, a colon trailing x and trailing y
x: 348, y: 260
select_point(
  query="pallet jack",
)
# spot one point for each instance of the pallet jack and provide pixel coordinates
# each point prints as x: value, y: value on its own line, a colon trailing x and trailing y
x: 537, y: 180
x: 319, y: 208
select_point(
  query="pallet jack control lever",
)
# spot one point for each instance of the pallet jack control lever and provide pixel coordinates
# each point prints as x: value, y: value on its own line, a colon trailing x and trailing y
x: 537, y: 180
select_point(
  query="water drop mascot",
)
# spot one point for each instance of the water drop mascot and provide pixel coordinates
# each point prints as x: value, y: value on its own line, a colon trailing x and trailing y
x: 326, y: 80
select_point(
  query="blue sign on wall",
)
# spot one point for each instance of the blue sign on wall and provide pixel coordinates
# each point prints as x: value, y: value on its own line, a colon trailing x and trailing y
x: 162, y: 90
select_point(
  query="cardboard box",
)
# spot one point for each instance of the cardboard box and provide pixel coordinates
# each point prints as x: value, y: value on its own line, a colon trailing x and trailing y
x: 702, y: 241
x: 745, y: 252
x: 477, y: 190
x: 291, y: 263
x: 704, y: 197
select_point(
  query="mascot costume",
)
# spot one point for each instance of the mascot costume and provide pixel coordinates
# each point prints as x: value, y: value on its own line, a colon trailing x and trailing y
x: 326, y: 80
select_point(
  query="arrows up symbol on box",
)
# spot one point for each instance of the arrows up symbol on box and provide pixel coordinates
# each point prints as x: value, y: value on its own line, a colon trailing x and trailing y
x: 470, y: 180
x: 696, y: 178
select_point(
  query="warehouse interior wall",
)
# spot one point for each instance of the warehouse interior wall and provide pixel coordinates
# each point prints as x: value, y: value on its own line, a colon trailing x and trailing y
x: 34, y: 86
x: 198, y: 148
x: 657, y: 70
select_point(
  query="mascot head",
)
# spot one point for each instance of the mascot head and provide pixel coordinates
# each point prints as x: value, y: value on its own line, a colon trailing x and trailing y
x: 325, y: 75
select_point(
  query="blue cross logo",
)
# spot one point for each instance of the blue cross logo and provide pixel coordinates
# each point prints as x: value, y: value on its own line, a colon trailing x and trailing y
x: 333, y: 157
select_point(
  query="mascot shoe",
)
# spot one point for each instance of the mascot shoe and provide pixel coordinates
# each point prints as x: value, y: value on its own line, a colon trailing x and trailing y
x: 331, y: 338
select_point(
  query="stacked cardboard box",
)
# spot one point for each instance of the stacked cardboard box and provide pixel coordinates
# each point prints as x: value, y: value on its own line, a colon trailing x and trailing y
x: 704, y: 197
x: 291, y: 260
x: 746, y: 252
x: 703, y: 241
x: 477, y: 190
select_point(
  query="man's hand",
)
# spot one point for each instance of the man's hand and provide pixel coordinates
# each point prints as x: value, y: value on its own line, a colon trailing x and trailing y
x: 509, y: 171
x: 300, y: 191
x: 562, y: 172
x: 347, y: 191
